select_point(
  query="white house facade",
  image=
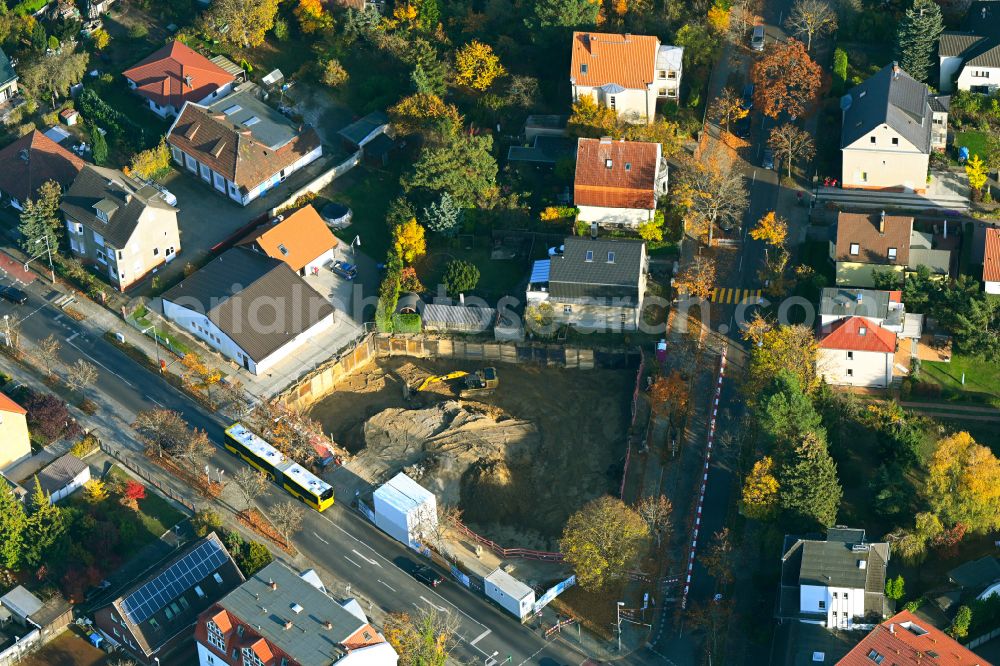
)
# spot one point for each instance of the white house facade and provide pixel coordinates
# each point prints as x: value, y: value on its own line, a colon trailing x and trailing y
x: 969, y: 59
x: 856, y: 351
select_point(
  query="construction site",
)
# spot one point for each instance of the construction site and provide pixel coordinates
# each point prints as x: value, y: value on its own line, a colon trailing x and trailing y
x: 517, y: 448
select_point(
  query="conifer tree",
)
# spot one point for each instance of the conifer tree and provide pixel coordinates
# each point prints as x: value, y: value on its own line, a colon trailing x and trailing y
x: 810, y: 491
x: 916, y: 39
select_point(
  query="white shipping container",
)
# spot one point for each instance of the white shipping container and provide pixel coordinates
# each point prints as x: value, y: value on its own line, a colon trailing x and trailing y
x: 513, y: 596
x: 401, y: 504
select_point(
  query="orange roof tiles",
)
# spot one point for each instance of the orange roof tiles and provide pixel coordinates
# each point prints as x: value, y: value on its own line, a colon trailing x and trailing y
x: 162, y: 77
x: 857, y: 334
x: 991, y: 255
x: 906, y: 640
x: 873, y: 245
x: 262, y: 649
x: 629, y: 181
x: 32, y: 160
x: 599, y: 58
x: 296, y: 240
x: 8, y: 405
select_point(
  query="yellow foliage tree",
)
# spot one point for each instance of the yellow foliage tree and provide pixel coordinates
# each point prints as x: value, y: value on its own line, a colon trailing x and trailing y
x: 198, y: 375
x: 589, y: 119
x: 651, y: 231
x: 669, y: 395
x: 421, y: 112
x: 760, y: 490
x: 477, y: 66
x: 771, y: 229
x: 975, y: 169
x: 697, y: 279
x: 777, y: 348
x: 312, y: 16
x: 621, y: 7
x: 405, y: 13
x: 100, y: 38
x: 409, y: 241
x: 602, y: 540
x: 95, y: 491
x: 718, y: 18
x: 152, y: 162
x: 963, y: 483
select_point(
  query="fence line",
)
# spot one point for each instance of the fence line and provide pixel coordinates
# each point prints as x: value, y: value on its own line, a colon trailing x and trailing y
x: 126, y: 460
x: 635, y: 413
x: 979, y: 640
x: 162, y: 340
x: 320, y: 181
x: 523, y: 553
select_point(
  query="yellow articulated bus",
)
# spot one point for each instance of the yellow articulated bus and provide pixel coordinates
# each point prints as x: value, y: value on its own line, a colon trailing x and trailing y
x: 287, y: 473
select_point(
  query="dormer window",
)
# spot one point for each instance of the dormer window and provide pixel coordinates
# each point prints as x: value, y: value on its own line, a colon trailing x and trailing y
x: 590, y: 255
x: 628, y: 166
x: 862, y: 331
x: 611, y: 257
x: 855, y: 249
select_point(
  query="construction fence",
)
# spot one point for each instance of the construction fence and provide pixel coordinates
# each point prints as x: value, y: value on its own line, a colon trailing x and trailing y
x: 507, y: 553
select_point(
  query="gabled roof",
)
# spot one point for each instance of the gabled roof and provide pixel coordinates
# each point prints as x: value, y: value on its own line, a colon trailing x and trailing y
x: 176, y: 74
x: 616, y: 174
x: 7, y: 73
x: 32, y: 160
x: 169, y: 598
x: 241, y: 137
x: 583, y: 270
x: 60, y: 472
x: 874, y: 245
x: 857, y: 334
x: 957, y: 44
x: 296, y: 240
x: 599, y: 58
x: 906, y: 640
x: 991, y: 255
x: 8, y: 405
x: 890, y: 97
x: 121, y: 197
x: 976, y: 573
x: 240, y: 284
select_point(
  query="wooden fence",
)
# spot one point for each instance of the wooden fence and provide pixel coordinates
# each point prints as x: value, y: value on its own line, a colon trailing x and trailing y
x: 506, y: 553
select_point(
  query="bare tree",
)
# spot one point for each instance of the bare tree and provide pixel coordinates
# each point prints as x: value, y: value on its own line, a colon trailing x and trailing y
x: 235, y: 392
x: 251, y: 484
x: 433, y: 527
x: 287, y: 519
x: 81, y: 375
x: 656, y: 512
x: 162, y: 429
x: 195, y: 449
x: 712, y: 192
x: 811, y: 18
x: 718, y: 560
x: 791, y: 143
x: 743, y: 17
x: 47, y: 352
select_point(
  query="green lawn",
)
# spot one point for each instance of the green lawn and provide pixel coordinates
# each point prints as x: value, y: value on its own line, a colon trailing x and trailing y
x: 155, y: 513
x: 497, y: 278
x: 974, y: 140
x: 982, y: 379
x: 368, y: 194
x: 140, y: 316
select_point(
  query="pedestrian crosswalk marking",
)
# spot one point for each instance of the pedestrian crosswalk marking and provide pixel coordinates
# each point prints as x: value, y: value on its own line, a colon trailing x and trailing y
x: 727, y: 295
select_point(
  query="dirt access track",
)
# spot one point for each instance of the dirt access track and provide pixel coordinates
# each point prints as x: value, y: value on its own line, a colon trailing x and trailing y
x: 517, y: 461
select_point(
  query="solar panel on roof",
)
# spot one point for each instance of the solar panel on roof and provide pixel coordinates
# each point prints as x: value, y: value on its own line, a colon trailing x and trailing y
x: 173, y: 581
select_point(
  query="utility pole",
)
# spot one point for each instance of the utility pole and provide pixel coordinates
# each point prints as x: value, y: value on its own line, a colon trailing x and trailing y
x: 156, y: 345
x: 618, y: 610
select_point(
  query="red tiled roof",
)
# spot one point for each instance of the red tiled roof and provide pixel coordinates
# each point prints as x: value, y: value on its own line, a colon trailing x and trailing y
x: 161, y: 76
x: 46, y: 160
x: 8, y: 405
x: 628, y: 60
x: 873, y: 245
x: 857, y: 334
x: 991, y: 255
x: 232, y: 152
x: 303, y: 234
x: 630, y: 181
x: 906, y: 640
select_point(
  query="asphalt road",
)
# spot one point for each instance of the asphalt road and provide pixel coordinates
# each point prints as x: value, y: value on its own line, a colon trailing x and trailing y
x: 338, y: 540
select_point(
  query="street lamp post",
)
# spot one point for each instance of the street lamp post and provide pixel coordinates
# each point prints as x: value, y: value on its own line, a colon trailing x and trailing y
x: 618, y: 610
x: 48, y: 251
x: 156, y: 345
x: 355, y: 244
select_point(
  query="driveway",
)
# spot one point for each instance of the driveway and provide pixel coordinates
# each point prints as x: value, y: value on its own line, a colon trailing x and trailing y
x: 321, y: 109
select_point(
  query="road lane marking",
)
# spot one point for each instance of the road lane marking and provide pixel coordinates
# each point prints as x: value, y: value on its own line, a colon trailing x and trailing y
x: 366, y: 559
x: 352, y: 561
x: 480, y: 637
x: 394, y: 589
x: 437, y: 608
x: 70, y: 338
x: 154, y: 400
x: 321, y: 538
x: 101, y: 364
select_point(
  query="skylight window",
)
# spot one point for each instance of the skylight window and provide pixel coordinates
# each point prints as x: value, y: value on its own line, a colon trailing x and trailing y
x: 284, y: 250
x: 253, y: 120
x: 628, y: 166
x: 875, y: 656
x: 235, y: 108
x: 611, y: 257
x: 590, y: 255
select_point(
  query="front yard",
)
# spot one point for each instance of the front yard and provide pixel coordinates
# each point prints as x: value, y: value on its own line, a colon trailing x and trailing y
x: 982, y: 379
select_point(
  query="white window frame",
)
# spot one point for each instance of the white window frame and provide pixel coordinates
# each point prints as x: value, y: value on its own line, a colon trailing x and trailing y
x: 855, y: 249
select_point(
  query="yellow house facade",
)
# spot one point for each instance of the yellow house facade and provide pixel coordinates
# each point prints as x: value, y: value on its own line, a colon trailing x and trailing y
x: 15, y: 444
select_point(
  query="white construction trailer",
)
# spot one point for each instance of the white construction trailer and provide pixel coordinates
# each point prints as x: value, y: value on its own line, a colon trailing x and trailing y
x: 513, y: 596
x: 404, y: 510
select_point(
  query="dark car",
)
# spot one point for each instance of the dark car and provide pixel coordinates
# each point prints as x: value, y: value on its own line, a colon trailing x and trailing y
x: 748, y: 97
x: 14, y: 295
x: 767, y: 159
x: 742, y: 128
x: 427, y: 576
x: 343, y: 269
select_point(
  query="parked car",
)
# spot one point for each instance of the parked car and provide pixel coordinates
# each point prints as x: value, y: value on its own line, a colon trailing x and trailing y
x: 14, y: 295
x: 343, y: 269
x: 742, y: 127
x: 427, y: 576
x: 757, y: 38
x: 748, y: 97
x: 767, y: 159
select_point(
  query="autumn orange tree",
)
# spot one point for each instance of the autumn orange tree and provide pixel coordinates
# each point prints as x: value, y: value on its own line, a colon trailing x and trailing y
x: 697, y: 279
x: 786, y: 80
x: 409, y: 241
x: 669, y: 394
x: 771, y: 229
x: 711, y: 192
x: 425, y: 114
x: 590, y: 119
x: 312, y: 16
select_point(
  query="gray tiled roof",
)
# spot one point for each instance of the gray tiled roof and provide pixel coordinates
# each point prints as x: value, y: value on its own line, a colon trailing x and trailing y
x: 307, y: 641
x: 953, y: 44
x: 938, y: 261
x: 115, y: 191
x: 241, y: 282
x: 572, y: 276
x: 976, y: 573
x: 7, y: 73
x: 940, y: 103
x: 988, y: 57
x: 888, y: 98
x: 60, y: 472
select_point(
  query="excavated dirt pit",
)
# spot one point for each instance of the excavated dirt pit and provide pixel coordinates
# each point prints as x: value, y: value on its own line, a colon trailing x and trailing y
x: 517, y: 462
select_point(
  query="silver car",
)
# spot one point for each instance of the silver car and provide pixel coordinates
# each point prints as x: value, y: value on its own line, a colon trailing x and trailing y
x: 757, y: 38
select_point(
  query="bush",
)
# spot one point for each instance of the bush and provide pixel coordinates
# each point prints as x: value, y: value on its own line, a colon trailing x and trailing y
x: 153, y: 163
x: 205, y: 521
x: 281, y: 29
x: 406, y: 323
x: 99, y: 112
x: 839, y: 71
x: 29, y: 6
x: 332, y: 73
x: 138, y: 31
x: 85, y: 446
x: 460, y: 276
x: 48, y: 416
x: 253, y: 558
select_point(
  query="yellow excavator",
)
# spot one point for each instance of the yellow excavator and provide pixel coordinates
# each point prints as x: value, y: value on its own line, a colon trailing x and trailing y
x: 478, y: 382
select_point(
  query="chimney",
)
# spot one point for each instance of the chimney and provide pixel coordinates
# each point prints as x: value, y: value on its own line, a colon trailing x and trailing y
x: 628, y: 37
x: 461, y: 299
x: 892, y: 628
x: 272, y: 584
x: 288, y: 625
x: 881, y: 223
x: 328, y: 625
x: 895, y: 70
